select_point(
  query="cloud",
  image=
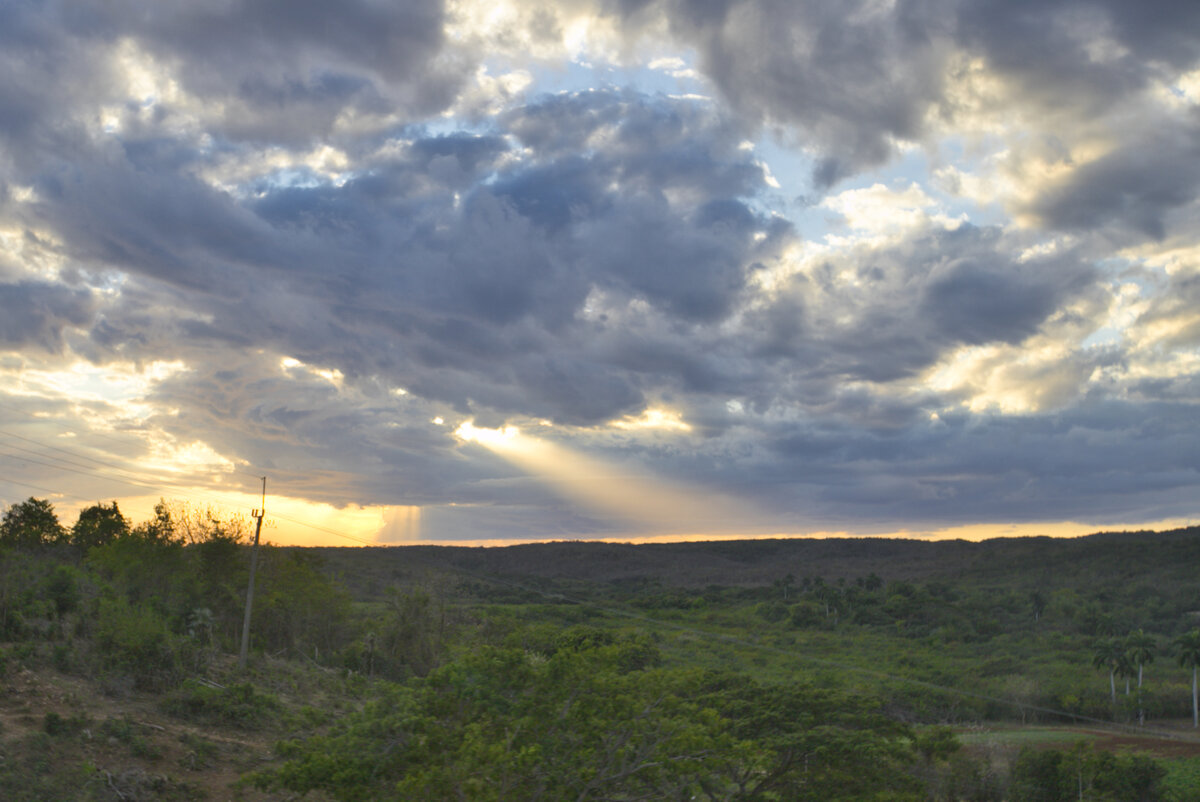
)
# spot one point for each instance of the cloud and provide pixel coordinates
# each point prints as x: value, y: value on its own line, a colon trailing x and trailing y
x: 351, y: 228
x: 36, y: 313
x: 1134, y: 187
x: 852, y: 80
x: 880, y: 312
x: 474, y: 259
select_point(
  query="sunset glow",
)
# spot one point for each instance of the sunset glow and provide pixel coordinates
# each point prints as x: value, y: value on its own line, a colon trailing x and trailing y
x: 510, y: 271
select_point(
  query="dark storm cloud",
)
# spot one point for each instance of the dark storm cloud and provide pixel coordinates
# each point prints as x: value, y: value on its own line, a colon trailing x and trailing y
x: 258, y: 70
x: 851, y: 78
x: 855, y: 77
x: 288, y: 69
x: 444, y: 264
x: 1098, y: 460
x: 35, y: 313
x: 228, y: 42
x: 1085, y: 54
x: 911, y: 302
x: 1133, y: 188
x: 695, y: 272
x: 164, y: 225
x: 583, y: 256
x: 982, y: 298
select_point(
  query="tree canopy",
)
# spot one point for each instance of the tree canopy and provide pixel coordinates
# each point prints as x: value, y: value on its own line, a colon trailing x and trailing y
x: 98, y: 525
x: 31, y: 523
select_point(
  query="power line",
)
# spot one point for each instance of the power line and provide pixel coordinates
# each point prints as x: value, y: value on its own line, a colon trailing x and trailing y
x: 39, y: 487
x: 43, y: 420
x: 48, y: 456
x: 157, y: 487
x: 82, y: 470
x: 132, y: 478
x: 68, y: 452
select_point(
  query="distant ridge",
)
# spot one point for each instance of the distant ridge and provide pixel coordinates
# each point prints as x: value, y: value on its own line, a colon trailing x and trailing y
x: 1171, y: 555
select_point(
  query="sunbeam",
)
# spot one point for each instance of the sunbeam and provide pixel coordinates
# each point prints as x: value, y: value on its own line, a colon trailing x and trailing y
x: 647, y: 503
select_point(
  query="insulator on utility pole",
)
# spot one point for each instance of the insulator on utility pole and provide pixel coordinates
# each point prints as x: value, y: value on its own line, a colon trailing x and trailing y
x: 258, y: 515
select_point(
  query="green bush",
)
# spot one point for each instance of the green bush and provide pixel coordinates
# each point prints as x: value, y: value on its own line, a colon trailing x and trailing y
x: 1040, y: 775
x: 1182, y: 783
x: 132, y: 735
x: 137, y: 641
x: 62, y: 588
x: 201, y: 752
x: 57, y: 726
x: 237, y: 706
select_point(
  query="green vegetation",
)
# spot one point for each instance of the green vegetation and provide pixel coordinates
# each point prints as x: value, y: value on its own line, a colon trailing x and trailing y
x: 1026, y: 670
x: 1083, y: 773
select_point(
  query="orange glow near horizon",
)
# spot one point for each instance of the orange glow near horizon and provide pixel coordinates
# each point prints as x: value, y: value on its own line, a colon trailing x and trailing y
x: 289, y: 522
x: 655, y: 512
x: 970, y: 532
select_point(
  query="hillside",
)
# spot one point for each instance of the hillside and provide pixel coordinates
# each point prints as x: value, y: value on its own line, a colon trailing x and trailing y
x: 597, y: 671
x: 1159, y: 558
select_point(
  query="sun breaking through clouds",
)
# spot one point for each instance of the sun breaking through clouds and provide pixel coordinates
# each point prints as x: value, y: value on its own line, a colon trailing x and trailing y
x: 855, y: 267
x: 645, y: 505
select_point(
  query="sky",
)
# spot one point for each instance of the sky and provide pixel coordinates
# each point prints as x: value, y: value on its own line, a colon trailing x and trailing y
x: 486, y: 271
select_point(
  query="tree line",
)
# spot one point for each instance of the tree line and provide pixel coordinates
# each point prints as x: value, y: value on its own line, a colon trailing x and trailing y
x: 466, y: 692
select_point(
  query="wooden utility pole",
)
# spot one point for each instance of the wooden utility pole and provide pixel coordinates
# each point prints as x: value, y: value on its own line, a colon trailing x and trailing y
x: 258, y: 515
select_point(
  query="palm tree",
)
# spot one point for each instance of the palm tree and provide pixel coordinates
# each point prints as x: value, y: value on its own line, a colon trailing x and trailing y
x: 1125, y: 668
x: 1108, y: 654
x: 1189, y: 657
x: 1039, y: 605
x: 1140, y: 648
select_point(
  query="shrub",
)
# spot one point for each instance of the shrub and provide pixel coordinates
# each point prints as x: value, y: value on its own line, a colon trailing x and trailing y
x: 132, y: 735
x: 62, y: 588
x: 237, y: 706
x: 136, y: 641
x: 57, y: 726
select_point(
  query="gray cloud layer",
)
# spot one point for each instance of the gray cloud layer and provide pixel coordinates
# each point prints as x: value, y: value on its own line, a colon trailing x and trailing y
x: 581, y: 257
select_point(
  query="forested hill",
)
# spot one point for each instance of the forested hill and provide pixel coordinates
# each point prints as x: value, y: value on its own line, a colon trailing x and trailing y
x: 1164, y: 559
x: 591, y: 671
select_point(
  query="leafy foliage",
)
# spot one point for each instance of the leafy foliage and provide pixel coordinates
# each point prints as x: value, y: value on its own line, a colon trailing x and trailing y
x: 30, y: 524
x: 504, y: 723
x: 798, y: 687
x: 239, y: 706
x: 1082, y: 773
x: 98, y: 525
x: 138, y: 641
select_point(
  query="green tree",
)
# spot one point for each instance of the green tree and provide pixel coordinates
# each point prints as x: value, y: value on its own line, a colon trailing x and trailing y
x: 1107, y: 654
x: 160, y: 528
x: 297, y: 607
x: 1038, y: 600
x: 1139, y: 647
x: 501, y: 724
x: 98, y: 525
x: 1189, y: 657
x: 137, y: 642
x: 62, y: 588
x: 1125, y: 669
x: 413, y: 633
x: 29, y: 524
x: 1051, y: 775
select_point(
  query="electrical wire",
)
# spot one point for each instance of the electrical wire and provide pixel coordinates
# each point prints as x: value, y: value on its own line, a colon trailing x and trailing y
x: 75, y: 467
